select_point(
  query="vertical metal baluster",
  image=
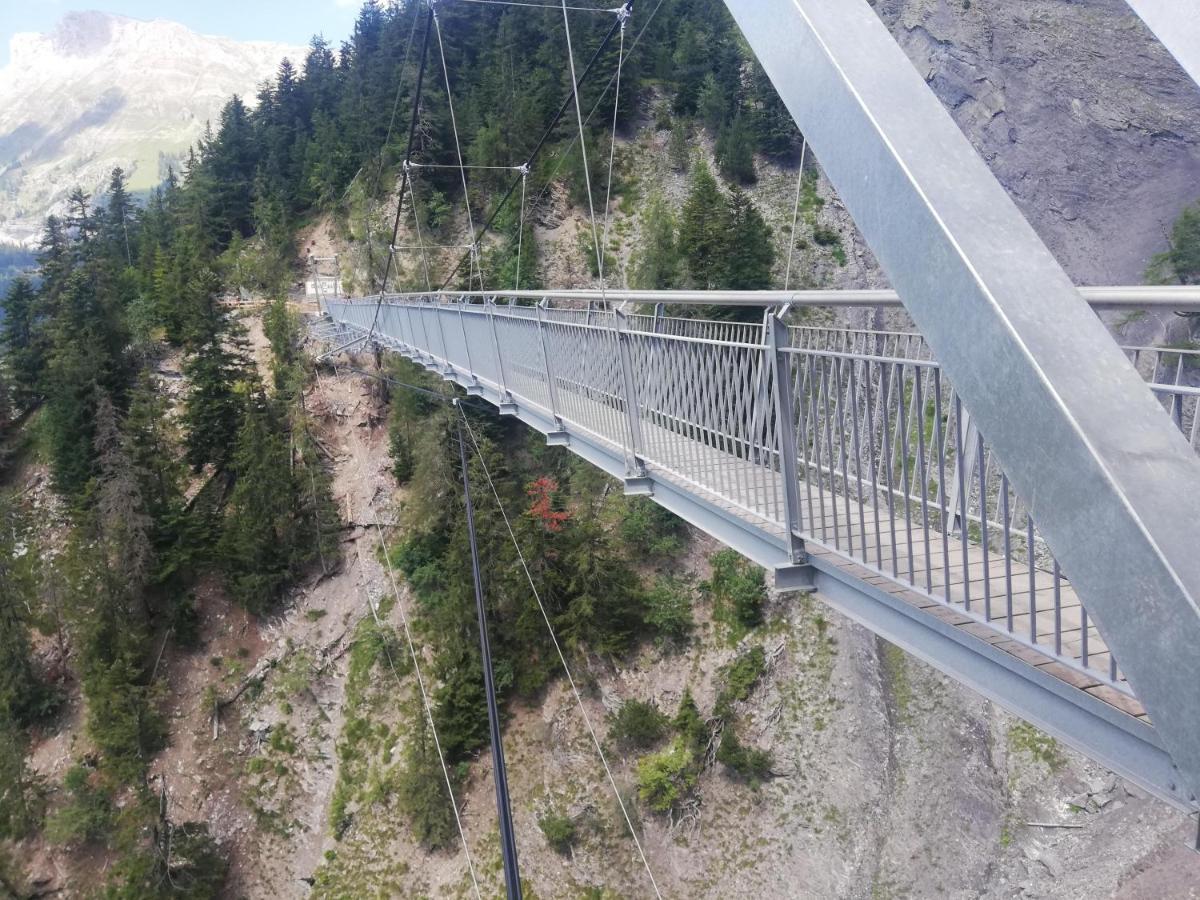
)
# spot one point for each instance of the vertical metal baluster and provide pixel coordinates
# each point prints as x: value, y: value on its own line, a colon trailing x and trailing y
x: 818, y: 428
x: 804, y: 370
x: 1007, y: 534
x: 986, y: 538
x: 885, y: 404
x: 903, y: 422
x: 786, y: 437
x: 962, y: 501
x: 632, y: 406
x: 550, y: 386
x: 862, y: 512
x: 827, y: 374
x: 923, y: 470
x: 841, y: 407
x: 1029, y: 551
x: 1083, y: 635
x: 870, y: 383
x: 1112, y: 667
x: 943, y: 507
x: 1057, y: 609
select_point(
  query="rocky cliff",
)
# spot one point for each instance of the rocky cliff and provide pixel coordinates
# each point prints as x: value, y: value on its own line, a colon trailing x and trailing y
x: 1085, y: 118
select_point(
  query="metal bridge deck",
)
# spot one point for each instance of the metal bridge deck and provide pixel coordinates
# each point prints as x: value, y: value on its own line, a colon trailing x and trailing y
x: 888, y: 545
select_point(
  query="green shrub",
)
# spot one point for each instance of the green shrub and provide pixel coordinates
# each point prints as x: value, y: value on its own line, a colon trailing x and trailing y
x: 88, y: 813
x: 738, y: 590
x: 185, y: 622
x: 750, y: 763
x: 650, y: 529
x: 637, y: 725
x: 666, y: 778
x: 739, y: 679
x: 421, y: 793
x: 560, y: 831
x: 669, y: 611
x: 689, y: 725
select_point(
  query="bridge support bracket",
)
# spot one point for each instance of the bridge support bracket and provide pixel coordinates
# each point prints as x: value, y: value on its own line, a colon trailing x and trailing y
x: 559, y: 438
x: 797, y: 578
x: 508, y: 407
x: 639, y: 486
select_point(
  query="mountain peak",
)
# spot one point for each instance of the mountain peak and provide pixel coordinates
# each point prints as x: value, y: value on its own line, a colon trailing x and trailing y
x: 83, y: 33
x: 103, y: 90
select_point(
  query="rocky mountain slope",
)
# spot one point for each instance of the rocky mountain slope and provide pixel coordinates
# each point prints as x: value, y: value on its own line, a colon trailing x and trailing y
x: 101, y: 91
x: 1085, y: 118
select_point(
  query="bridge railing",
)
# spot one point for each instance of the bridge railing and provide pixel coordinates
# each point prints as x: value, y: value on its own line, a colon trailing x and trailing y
x: 889, y: 469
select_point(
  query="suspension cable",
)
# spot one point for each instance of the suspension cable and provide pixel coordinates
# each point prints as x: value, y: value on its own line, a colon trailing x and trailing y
x: 561, y: 155
x: 508, y: 841
x: 412, y: 649
x: 787, y: 278
x: 387, y: 139
x: 412, y: 193
x: 561, y: 656
x: 612, y: 148
x: 412, y: 132
x: 457, y: 146
x: 587, y: 180
x: 512, y: 187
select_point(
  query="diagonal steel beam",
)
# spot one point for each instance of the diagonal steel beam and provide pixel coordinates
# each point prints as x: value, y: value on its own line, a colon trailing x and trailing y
x: 1112, y: 484
x: 1177, y: 24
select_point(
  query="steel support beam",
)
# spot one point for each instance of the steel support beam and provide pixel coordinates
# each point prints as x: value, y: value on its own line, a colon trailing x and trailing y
x: 1112, y: 484
x: 1177, y: 24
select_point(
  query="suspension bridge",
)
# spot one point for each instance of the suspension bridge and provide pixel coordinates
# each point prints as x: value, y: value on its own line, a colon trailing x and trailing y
x: 1004, y: 491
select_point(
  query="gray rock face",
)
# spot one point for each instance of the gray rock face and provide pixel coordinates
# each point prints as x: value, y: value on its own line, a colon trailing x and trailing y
x: 1085, y: 118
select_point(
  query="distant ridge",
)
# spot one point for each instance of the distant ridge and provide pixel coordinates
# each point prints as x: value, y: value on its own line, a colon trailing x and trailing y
x: 102, y: 90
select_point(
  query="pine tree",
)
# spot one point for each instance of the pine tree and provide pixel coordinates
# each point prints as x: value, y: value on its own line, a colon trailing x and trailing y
x: 704, y: 231
x: 678, y: 150
x: 750, y: 251
x: 21, y: 789
x: 735, y: 152
x: 23, y: 342
x: 118, y: 223
x: 124, y: 524
x: 212, y: 414
x: 23, y: 697
x: 262, y: 531
x: 712, y: 104
x: 656, y: 260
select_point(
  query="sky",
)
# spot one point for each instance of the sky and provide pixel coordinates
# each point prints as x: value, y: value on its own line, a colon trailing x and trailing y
x: 283, y: 21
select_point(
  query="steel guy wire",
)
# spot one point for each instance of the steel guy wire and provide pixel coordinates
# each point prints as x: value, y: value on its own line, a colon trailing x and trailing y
x: 457, y: 146
x: 612, y: 149
x: 561, y: 656
x: 412, y: 649
x: 587, y: 179
x: 787, y: 278
x: 562, y: 154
